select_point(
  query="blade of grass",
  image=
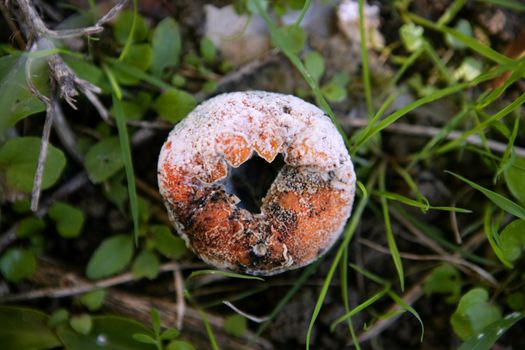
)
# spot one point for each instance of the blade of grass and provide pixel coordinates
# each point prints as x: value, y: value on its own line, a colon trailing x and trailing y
x: 496, y: 198
x: 496, y: 93
x: 305, y: 8
x: 508, y: 156
x: 438, y: 236
x: 392, y: 246
x: 371, y: 276
x: 399, y: 73
x: 405, y: 175
x: 445, y: 130
x: 417, y: 204
x: 451, y: 11
x: 204, y: 317
x: 137, y: 73
x: 396, y: 298
x: 467, y: 40
x: 372, y: 129
x: 224, y: 274
x: 344, y: 294
x: 347, y: 236
x: 125, y: 149
x: 510, y: 4
x: 360, y: 307
x: 492, y: 235
x: 442, y: 69
x: 497, y: 116
x: 129, y: 40
x: 364, y: 60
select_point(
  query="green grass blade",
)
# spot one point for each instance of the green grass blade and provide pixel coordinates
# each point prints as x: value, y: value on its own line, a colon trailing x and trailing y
x: 128, y: 163
x: 467, y: 40
x: 305, y: 8
x: 496, y: 198
x: 344, y: 294
x: 451, y: 11
x: 392, y: 246
x: 440, y: 136
x: 360, y: 307
x: 510, y: 4
x: 417, y: 204
x: 347, y: 236
x: 407, y: 64
x: 491, y: 237
x: 497, y: 116
x: 408, y: 308
x: 204, y: 317
x: 131, y: 34
x: 371, y: 276
x: 223, y: 273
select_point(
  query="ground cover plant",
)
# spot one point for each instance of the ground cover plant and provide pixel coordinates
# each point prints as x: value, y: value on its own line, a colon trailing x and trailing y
x: 428, y: 96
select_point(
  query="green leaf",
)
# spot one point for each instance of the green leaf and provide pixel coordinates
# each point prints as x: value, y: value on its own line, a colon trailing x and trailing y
x: 146, y: 265
x: 104, y: 160
x: 333, y: 92
x: 140, y: 56
x: 512, y: 240
x: 58, y: 317
x: 208, y: 50
x: 155, y: 321
x: 474, y: 313
x: 22, y: 328
x: 29, y: 227
x: 19, y: 157
x: 107, y: 332
x: 444, y: 279
x: 82, y: 324
x: 294, y: 36
x: 122, y: 27
x: 16, y: 101
x: 514, y: 176
x: 169, y: 334
x: 412, y: 36
x: 111, y: 257
x: 17, y: 264
x: 144, y: 338
x: 167, y: 244
x: 502, y: 202
x: 487, y: 337
x: 235, y: 325
x: 180, y: 345
x: 94, y: 299
x: 166, y: 45
x: 314, y: 63
x: 173, y: 105
x: 69, y: 220
x: 516, y: 301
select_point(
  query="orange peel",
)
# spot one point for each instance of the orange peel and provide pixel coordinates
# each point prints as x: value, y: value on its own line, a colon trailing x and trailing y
x: 303, y: 212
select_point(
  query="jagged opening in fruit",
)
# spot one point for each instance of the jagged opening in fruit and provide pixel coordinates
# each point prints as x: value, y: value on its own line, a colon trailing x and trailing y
x: 252, y: 180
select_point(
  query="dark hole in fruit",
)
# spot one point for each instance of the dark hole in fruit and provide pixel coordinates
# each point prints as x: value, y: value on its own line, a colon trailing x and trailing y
x: 252, y: 180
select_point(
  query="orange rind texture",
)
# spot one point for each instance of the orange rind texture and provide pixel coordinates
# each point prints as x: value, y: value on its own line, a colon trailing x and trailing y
x: 306, y: 207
